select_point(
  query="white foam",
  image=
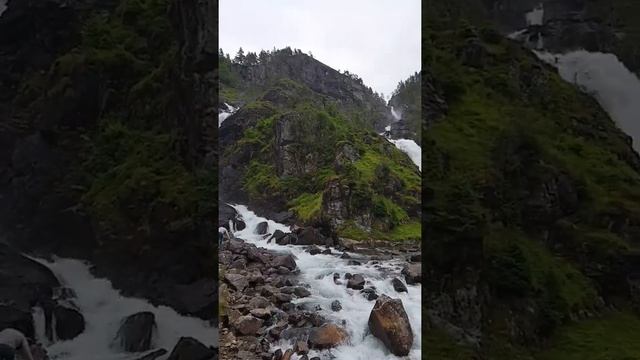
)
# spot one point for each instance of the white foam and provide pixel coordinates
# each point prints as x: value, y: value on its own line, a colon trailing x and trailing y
x: 223, y: 115
x: 606, y: 78
x: 317, y: 271
x: 535, y: 16
x: 411, y: 148
x: 396, y: 115
x: 104, y: 308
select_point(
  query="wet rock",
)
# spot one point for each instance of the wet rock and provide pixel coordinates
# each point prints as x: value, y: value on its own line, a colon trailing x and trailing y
x: 336, y: 278
x: 153, y: 355
x: 69, y: 322
x: 278, y: 234
x: 189, y: 348
x: 356, y: 282
x: 345, y: 256
x: 389, y: 322
x: 348, y: 276
x: 136, y: 332
x: 236, y: 281
x: 283, y: 298
x: 239, y: 224
x: 354, y: 262
x: 303, y: 357
x: 311, y: 236
x: 286, y: 261
x: 336, y: 306
x: 326, y: 252
x: 301, y: 348
x: 314, y: 250
x: 260, y: 313
x: 413, y: 273
x: 287, y: 239
x: 257, y: 302
x: 287, y: 354
x: 327, y: 336
x: 398, y: 285
x: 248, y: 325
x: 277, y: 355
x: 369, y: 294
x: 301, y: 292
x: 262, y: 228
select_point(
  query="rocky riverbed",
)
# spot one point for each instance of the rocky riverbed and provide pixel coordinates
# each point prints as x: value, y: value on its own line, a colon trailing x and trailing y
x: 300, y: 295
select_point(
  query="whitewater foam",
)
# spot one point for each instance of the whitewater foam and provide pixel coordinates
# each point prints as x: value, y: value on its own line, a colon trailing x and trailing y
x: 223, y: 115
x: 606, y: 78
x: 104, y: 308
x: 411, y: 148
x: 317, y: 271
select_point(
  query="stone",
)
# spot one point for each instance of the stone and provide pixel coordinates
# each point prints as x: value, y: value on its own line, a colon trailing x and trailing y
x: 277, y: 355
x: 262, y: 228
x: 301, y: 292
x: 286, y: 261
x: 398, y: 285
x: 153, y: 355
x: 277, y: 235
x: 260, y: 313
x: 354, y: 262
x: 413, y: 273
x: 248, y: 325
x: 369, y: 294
x: 301, y: 348
x: 314, y: 250
x: 136, y: 332
x: 257, y: 302
x: 389, y: 322
x: 327, y: 336
x: 287, y: 354
x: 236, y: 281
x: 189, y: 348
x: 336, y: 306
x: 356, y: 282
x: 69, y: 322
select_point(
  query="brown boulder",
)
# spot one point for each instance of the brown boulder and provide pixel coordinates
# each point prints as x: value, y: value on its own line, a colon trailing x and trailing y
x: 327, y: 336
x: 248, y: 325
x: 413, y: 273
x: 389, y: 323
x: 286, y: 261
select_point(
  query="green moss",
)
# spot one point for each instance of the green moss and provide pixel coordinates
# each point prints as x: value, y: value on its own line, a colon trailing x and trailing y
x: 613, y: 336
x: 261, y: 181
x: 307, y: 206
x: 409, y: 231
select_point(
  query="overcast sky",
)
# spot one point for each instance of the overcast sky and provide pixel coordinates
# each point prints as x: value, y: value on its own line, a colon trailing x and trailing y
x: 379, y: 40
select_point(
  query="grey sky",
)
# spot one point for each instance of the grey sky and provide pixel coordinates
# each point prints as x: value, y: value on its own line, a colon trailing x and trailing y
x: 379, y: 40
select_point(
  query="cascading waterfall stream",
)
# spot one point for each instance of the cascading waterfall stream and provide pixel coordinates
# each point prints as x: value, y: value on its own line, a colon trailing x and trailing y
x: 223, y: 115
x: 317, y: 271
x: 103, y: 309
x: 408, y: 146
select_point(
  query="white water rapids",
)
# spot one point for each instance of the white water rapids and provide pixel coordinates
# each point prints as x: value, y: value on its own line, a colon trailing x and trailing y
x: 223, y: 115
x: 408, y: 146
x: 104, y: 309
x: 317, y: 271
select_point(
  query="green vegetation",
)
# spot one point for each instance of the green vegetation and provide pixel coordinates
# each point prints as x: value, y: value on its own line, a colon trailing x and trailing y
x: 530, y: 178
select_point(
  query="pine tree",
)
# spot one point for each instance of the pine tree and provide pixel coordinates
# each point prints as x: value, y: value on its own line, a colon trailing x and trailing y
x: 239, y: 57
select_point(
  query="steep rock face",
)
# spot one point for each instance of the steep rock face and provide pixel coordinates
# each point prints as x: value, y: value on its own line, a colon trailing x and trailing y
x: 406, y: 102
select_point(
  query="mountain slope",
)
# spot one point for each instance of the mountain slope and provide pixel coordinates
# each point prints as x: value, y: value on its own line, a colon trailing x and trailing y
x: 406, y: 100
x: 312, y: 148
x: 534, y: 205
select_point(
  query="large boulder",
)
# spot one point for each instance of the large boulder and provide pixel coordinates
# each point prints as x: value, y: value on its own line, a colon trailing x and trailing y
x: 311, y: 236
x: 389, y: 322
x: 69, y: 322
x: 356, y: 282
x: 284, y: 260
x: 398, y: 285
x: 136, y: 332
x: 236, y: 281
x: 413, y: 273
x: 327, y: 336
x: 248, y: 325
x: 262, y: 228
x: 189, y: 348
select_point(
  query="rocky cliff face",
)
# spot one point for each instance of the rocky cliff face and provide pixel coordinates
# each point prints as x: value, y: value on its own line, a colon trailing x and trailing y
x: 104, y: 135
x: 406, y: 102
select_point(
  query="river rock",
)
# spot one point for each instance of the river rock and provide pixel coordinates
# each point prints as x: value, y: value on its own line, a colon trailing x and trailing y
x: 345, y: 256
x: 136, y: 332
x: 413, y: 273
x: 287, y: 239
x: 301, y: 292
x: 239, y: 224
x: 277, y: 355
x: 262, y: 228
x: 327, y: 336
x: 260, y: 313
x: 336, y: 306
x: 301, y: 347
x: 314, y: 250
x: 248, y: 325
x: 236, y: 281
x: 153, y: 355
x: 310, y: 236
x: 189, y: 348
x: 356, y: 282
x: 354, y: 262
x: 69, y: 322
x: 287, y: 354
x: 369, y: 294
x: 398, y: 285
x: 286, y: 261
x: 389, y: 322
x: 278, y: 234
x: 326, y: 252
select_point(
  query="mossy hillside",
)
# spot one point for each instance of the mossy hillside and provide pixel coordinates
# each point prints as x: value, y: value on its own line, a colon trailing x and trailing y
x: 512, y: 125
x: 128, y: 170
x: 321, y: 131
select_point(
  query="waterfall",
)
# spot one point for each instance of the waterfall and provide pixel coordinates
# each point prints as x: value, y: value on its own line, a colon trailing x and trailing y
x: 608, y: 80
x: 223, y: 115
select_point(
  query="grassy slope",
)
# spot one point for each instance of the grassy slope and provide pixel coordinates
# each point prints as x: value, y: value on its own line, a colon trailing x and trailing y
x: 508, y: 104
